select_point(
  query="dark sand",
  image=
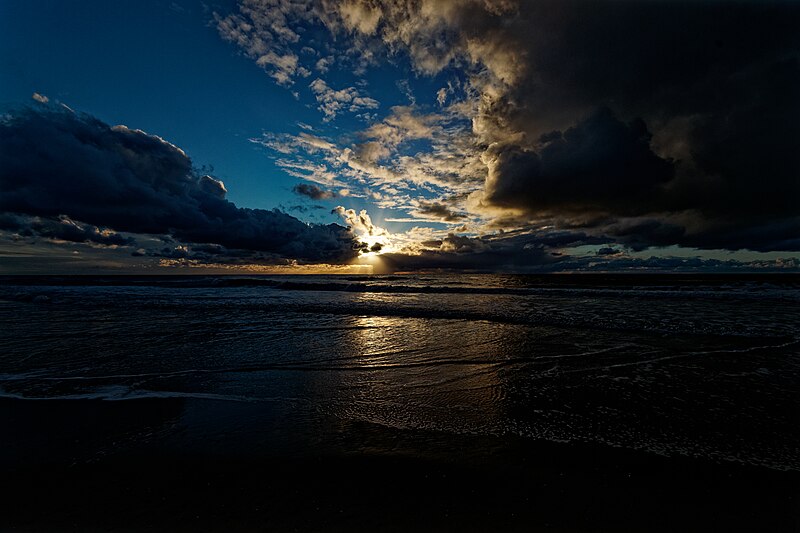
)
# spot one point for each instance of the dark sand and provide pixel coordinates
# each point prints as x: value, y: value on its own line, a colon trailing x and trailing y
x: 359, y: 477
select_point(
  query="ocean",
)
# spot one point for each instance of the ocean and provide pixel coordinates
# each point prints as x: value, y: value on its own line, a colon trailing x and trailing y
x: 680, y: 388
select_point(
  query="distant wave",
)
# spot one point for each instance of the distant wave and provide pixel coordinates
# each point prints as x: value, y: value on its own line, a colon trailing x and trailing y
x: 660, y: 292
x: 466, y: 284
x: 787, y: 292
x: 563, y: 317
x: 40, y: 289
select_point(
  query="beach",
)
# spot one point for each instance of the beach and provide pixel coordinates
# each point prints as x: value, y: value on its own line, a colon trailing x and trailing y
x: 399, y: 403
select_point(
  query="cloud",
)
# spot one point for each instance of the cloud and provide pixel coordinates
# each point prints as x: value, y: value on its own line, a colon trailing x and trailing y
x: 372, y: 237
x: 361, y: 222
x: 605, y: 176
x: 438, y: 211
x: 403, y: 124
x: 607, y: 250
x: 313, y: 192
x: 332, y: 102
x: 362, y: 17
x: 449, y: 165
x: 323, y: 64
x: 585, y: 116
x: 729, y: 181
x: 42, y: 99
x: 262, y: 29
x: 517, y: 252
x: 72, y: 168
x: 62, y: 228
x: 282, y: 68
x: 600, y: 164
x: 532, y: 252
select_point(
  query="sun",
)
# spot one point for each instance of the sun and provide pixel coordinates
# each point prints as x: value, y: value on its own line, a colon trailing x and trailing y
x: 373, y: 259
x: 375, y: 245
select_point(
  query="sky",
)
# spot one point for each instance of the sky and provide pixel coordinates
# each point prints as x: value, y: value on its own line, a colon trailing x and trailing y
x: 380, y: 136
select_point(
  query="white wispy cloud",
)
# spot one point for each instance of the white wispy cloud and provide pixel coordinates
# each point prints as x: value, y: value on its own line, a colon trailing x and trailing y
x: 263, y: 30
x: 334, y: 101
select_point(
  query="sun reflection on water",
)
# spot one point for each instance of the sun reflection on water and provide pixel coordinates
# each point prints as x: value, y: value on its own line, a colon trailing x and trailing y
x: 407, y: 377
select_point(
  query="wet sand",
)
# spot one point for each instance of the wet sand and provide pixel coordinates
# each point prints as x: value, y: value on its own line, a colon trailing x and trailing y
x: 360, y: 477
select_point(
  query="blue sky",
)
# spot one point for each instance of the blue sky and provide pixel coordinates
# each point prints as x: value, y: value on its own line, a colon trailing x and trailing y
x: 459, y: 128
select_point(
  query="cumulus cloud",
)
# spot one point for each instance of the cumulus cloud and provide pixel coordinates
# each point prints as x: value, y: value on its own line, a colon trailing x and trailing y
x: 360, y: 222
x: 599, y: 164
x: 86, y: 180
x: 323, y: 64
x: 372, y: 238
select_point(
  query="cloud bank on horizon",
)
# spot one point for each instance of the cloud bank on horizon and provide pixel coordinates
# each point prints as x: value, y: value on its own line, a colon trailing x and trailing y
x: 64, y: 176
x: 558, y: 135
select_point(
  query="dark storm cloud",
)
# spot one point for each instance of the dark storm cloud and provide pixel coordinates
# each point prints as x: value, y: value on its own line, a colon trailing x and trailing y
x: 741, y: 157
x: 489, y: 260
x: 60, y: 164
x: 313, y: 192
x: 537, y: 259
x: 599, y: 164
x: 698, y: 125
x: 607, y: 250
x: 655, y: 60
x: 512, y: 251
x: 641, y: 233
x: 61, y: 228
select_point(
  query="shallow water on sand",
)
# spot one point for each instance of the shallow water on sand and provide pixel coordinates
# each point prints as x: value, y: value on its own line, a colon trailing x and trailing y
x: 674, y: 365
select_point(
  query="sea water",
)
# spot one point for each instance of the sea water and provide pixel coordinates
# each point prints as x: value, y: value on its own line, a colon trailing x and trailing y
x: 692, y: 365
